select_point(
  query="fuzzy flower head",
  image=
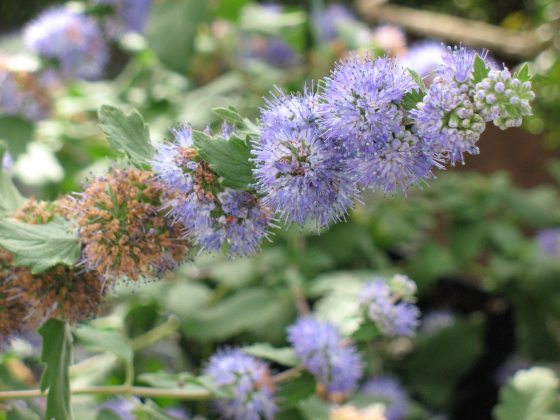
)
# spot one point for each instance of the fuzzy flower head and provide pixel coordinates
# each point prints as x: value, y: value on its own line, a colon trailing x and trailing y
x: 458, y: 64
x: 122, y: 227
x: 404, y: 160
x: 299, y: 173
x: 214, y: 216
x: 60, y: 292
x: 447, y: 119
x: 13, y: 309
x: 389, y: 392
x: 390, y: 305
x: 72, y: 40
x: 503, y: 99
x: 24, y: 94
x: 336, y: 364
x: 127, y: 16
x: 360, y: 106
x: 248, y: 382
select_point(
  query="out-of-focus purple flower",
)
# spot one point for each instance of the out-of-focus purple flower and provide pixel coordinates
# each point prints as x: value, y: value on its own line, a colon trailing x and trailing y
x: 122, y: 407
x: 389, y: 38
x: 336, y: 364
x: 435, y: 321
x: 503, y: 99
x: 72, y: 40
x: 328, y: 21
x: 390, y: 306
x: 24, y: 94
x: 7, y: 162
x: 248, y: 381
x: 388, y: 391
x: 273, y: 50
x: 213, y: 215
x: 128, y: 16
x: 423, y: 57
x: 548, y: 241
x: 301, y: 175
x: 360, y: 107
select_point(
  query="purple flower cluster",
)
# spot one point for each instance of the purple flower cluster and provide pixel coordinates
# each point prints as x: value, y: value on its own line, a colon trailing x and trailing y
x: 299, y: 173
x: 336, y: 364
x: 390, y: 305
x: 273, y: 51
x: 128, y: 16
x: 454, y: 112
x: 388, y: 391
x: 73, y: 41
x: 249, y: 383
x: 327, y: 22
x: 213, y: 215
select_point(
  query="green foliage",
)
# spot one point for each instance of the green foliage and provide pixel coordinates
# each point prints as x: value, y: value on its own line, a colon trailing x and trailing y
x: 127, y: 133
x: 17, y: 133
x: 19, y: 413
x: 523, y: 73
x: 57, y: 355
x: 99, y: 340
x: 292, y: 392
x: 480, y: 69
x: 40, y: 246
x: 416, y: 77
x: 283, y: 356
x: 172, y: 30
x: 436, y: 365
x: 411, y: 99
x: 531, y: 395
x: 228, y: 158
x: 10, y: 198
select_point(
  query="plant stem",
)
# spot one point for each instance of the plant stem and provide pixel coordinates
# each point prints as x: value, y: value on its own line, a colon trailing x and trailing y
x: 119, y: 389
x: 140, y: 391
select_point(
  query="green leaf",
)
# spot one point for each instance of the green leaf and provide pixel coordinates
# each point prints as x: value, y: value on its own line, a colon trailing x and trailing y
x: 480, y: 69
x: 283, y: 356
x: 531, y: 395
x: 247, y: 310
x: 523, y: 73
x: 433, y: 370
x: 57, y: 355
x: 19, y: 413
x: 229, y: 114
x: 228, y: 158
x: 98, y: 340
x: 411, y: 99
x: 10, y: 198
x: 416, y: 77
x: 314, y: 408
x: 107, y: 414
x: 126, y: 133
x: 230, y: 9
x: 292, y: 392
x: 40, y: 246
x: 366, y: 332
x: 172, y: 30
x: 17, y: 133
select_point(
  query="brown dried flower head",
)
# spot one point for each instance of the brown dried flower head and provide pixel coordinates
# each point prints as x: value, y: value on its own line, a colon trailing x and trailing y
x: 123, y: 229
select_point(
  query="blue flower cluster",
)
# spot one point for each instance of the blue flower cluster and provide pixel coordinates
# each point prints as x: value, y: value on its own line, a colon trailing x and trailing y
x: 72, y: 40
x: 73, y: 44
x: 213, y: 215
x: 318, y: 150
x: 390, y: 305
x: 336, y: 364
x: 389, y: 391
x: 128, y: 16
x: 248, y: 381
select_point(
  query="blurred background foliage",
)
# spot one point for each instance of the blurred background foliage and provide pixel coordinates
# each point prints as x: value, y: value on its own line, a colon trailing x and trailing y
x: 470, y: 239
